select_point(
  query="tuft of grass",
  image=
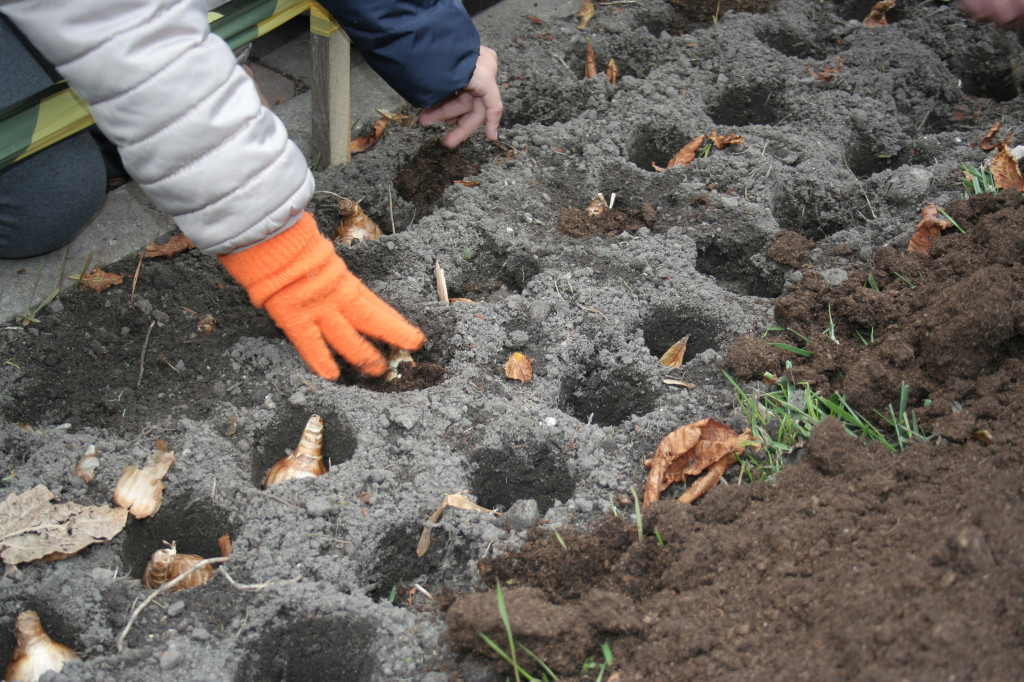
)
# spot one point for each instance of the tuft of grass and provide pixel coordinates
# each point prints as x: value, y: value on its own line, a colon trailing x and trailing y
x: 872, y: 283
x: 509, y: 657
x: 977, y: 180
x: 782, y: 419
x: 591, y: 664
x: 866, y: 341
x: 802, y: 352
x: 661, y: 543
x: 639, y: 515
x: 558, y: 536
x: 950, y: 219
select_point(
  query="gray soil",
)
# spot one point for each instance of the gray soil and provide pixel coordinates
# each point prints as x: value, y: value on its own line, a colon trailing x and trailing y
x: 844, y: 165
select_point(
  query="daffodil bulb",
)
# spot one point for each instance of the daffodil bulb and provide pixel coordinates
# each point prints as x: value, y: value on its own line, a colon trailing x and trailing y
x: 35, y: 654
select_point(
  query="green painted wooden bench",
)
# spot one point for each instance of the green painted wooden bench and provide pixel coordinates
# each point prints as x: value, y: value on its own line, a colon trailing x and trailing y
x: 56, y: 112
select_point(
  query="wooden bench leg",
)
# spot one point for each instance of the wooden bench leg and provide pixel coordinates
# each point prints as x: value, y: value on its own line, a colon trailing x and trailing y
x: 332, y: 110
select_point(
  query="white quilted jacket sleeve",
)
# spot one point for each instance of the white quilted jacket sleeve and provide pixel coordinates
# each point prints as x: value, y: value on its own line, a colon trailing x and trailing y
x: 185, y: 117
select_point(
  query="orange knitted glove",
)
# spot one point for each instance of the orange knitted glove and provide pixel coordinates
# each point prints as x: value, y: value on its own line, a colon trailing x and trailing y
x: 311, y: 295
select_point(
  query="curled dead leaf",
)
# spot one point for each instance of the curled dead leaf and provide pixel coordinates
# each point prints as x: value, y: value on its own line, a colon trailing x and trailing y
x: 685, y: 155
x: 590, y: 67
x: 828, y: 73
x: 224, y: 543
x: 612, y: 72
x: 33, y: 529
x: 876, y: 17
x: 987, y: 142
x: 1006, y: 170
x: 585, y: 14
x: 467, y: 183
x: 519, y: 368
x: 97, y: 280
x: 723, y: 141
x: 459, y: 501
x: 179, y: 243
x: 930, y: 227
x: 365, y: 142
x: 673, y: 357
x: 689, y: 451
x: 355, y: 224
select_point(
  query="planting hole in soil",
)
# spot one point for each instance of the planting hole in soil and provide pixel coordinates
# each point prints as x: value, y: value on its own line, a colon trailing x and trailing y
x: 193, y: 525
x: 663, y: 327
x: 314, y: 649
x: 280, y: 439
x: 397, y: 568
x: 606, y: 396
x: 502, y: 476
x: 886, y: 548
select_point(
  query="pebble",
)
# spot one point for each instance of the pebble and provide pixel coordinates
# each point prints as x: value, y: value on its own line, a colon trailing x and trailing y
x: 523, y: 514
x: 175, y: 609
x: 171, y: 658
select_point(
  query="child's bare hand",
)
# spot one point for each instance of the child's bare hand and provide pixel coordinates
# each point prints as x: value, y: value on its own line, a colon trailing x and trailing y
x: 1004, y: 13
x: 479, y: 103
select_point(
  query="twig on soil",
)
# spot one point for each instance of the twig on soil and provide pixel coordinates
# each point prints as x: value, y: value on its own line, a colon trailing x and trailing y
x: 142, y: 359
x: 391, y: 211
x: 255, y: 587
x: 119, y: 642
x: 594, y: 310
x: 135, y: 279
x: 562, y: 62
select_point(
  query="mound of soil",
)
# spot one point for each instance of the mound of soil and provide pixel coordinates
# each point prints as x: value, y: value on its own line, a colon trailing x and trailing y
x: 856, y: 562
x: 853, y: 562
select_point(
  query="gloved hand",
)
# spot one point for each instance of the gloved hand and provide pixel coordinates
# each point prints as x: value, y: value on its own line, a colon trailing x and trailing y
x: 311, y: 295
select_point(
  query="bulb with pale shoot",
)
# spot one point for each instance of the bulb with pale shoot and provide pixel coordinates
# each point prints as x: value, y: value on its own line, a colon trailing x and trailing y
x: 306, y: 461
x: 35, y: 654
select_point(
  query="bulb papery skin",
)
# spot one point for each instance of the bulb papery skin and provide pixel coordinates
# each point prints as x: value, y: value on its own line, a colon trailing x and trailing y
x: 139, y: 492
x: 306, y: 460
x: 35, y: 654
x: 166, y: 565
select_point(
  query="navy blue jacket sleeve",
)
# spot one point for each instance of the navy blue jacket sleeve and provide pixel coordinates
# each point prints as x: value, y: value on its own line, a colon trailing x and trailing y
x: 424, y: 49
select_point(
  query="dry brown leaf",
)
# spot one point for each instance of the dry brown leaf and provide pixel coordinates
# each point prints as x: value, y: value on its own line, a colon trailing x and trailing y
x: 673, y: 357
x: 612, y: 72
x: 590, y: 67
x: 355, y: 224
x: 97, y: 280
x: 179, y: 243
x: 534, y: 19
x: 685, y: 155
x: 365, y: 142
x: 711, y: 476
x: 459, y: 501
x: 585, y: 14
x: 930, y: 227
x: 519, y: 368
x: 876, y: 17
x: 403, y: 120
x: 987, y: 142
x: 723, y: 141
x: 1006, y: 170
x: 688, y: 451
x: 31, y: 528
x: 828, y: 73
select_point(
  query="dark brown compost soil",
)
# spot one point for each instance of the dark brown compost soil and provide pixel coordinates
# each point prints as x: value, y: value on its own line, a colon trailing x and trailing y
x: 857, y: 562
